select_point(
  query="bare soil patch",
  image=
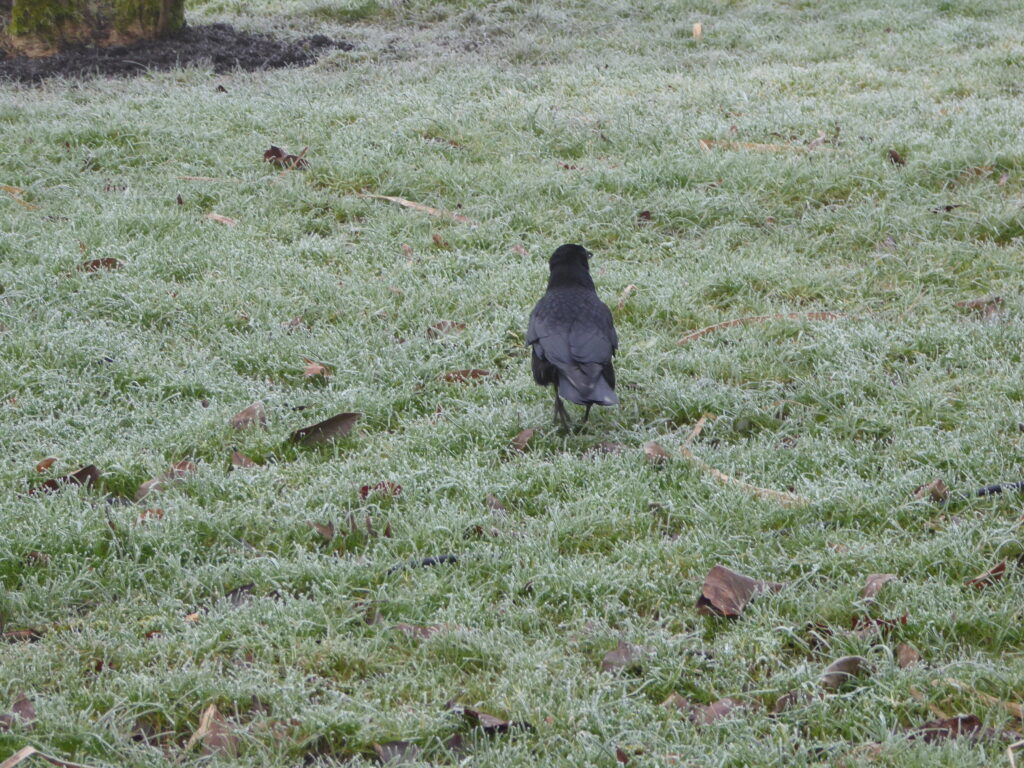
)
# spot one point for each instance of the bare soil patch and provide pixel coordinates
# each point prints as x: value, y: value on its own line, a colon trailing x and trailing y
x: 220, y: 47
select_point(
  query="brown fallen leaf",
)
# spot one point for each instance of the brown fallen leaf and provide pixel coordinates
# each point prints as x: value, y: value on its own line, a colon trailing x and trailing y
x: 313, y: 368
x: 22, y: 711
x: 444, y: 328
x: 678, y: 703
x: 842, y: 670
x: 960, y: 726
x: 241, y: 461
x: 791, y: 699
x: 469, y: 374
x: 494, y: 504
x: 440, y: 242
x: 519, y: 250
x: 87, y: 476
x: 621, y: 755
x: 521, y: 441
x: 1003, y: 178
x: 1012, y: 708
x: 385, y: 488
x: 726, y: 593
x: 16, y: 193
x: 151, y: 514
x: 326, y: 531
x: 875, y: 583
x: 906, y: 655
x: 45, y: 464
x: 255, y: 414
x: 227, y: 220
x: 759, y: 319
x: 936, y: 491
x: 326, y: 430
x: 490, y: 724
x: 24, y: 635
x: 177, y: 473
x: 986, y: 306
x: 896, y: 158
x: 397, y: 752
x: 95, y: 265
x: 457, y: 217
x: 868, y: 626
x: 991, y: 576
x: 624, y: 656
x: 214, y: 734
x: 654, y: 453
x: 716, y: 710
x: 785, y: 498
x: 280, y: 158
x: 698, y: 30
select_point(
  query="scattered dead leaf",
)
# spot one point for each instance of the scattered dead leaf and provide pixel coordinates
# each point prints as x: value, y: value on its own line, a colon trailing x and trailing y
x: 842, y: 670
x: 397, y: 752
x: 960, y: 726
x: 383, y: 487
x: 22, y: 710
x: 896, y: 158
x: 469, y: 374
x: 790, y: 699
x: 253, y: 414
x: 494, y: 504
x: 785, y: 498
x: 678, y: 703
x: 226, y: 220
x: 906, y: 655
x: 95, y: 265
x: 214, y: 734
x: 445, y: 328
x: 440, y: 242
x: 26, y: 752
x: 698, y: 30
x: 716, y: 710
x: 875, y: 583
x: 177, y: 473
x: 1012, y: 708
x: 326, y: 531
x: 313, y: 368
x: 24, y: 635
x: 521, y: 441
x: 986, y: 306
x: 624, y: 656
x: 420, y: 631
x: 990, y: 576
x: 1003, y: 178
x: 326, y: 430
x: 936, y: 491
x: 654, y: 453
x: 241, y: 461
x: 16, y: 193
x: 87, y: 476
x: 457, y: 217
x: 868, y: 626
x: 948, y: 208
x: 45, y: 464
x: 726, y: 593
x: 280, y: 158
x: 151, y: 514
x: 490, y: 724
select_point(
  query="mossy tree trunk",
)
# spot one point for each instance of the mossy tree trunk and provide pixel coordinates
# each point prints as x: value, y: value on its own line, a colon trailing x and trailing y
x: 41, y: 27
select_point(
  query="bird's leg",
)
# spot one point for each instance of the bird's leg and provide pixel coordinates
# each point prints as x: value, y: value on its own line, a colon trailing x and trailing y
x: 587, y: 414
x: 560, y: 414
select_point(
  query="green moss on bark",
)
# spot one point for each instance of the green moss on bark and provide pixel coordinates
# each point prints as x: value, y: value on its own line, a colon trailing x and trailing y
x: 41, y: 17
x: 58, y: 20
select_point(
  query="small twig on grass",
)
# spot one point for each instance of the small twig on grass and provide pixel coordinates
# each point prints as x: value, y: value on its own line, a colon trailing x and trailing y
x: 293, y: 162
x: 760, y: 319
x: 698, y: 428
x: 457, y: 217
x: 15, y: 193
x: 26, y: 752
x: 1011, y: 749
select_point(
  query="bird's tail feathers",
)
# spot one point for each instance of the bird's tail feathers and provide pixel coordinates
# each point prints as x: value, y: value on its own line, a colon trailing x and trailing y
x: 583, y: 387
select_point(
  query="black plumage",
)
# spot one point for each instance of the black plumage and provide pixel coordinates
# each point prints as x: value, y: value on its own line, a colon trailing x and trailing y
x: 573, y: 336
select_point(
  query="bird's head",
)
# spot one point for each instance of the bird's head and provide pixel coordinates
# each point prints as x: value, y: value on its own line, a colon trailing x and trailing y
x: 570, y: 259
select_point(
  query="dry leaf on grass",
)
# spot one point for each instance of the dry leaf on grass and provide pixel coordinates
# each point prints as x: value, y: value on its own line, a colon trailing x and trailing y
x: 726, y: 593
x: 698, y: 30
x: 936, y: 491
x: 384, y: 488
x: 960, y: 726
x: 520, y: 250
x: 457, y: 217
x: 521, y: 441
x: 716, y: 710
x: 227, y: 220
x: 255, y: 414
x: 468, y: 374
x: 177, y: 473
x: 445, y: 328
x: 875, y: 583
x: 490, y: 724
x: 16, y: 193
x: 24, y: 635
x: 605, y: 447
x: 654, y: 453
x: 280, y: 158
x: 45, y: 464
x: 494, y: 504
x: 843, y: 670
x: 760, y: 319
x: 1012, y: 708
x: 896, y: 158
x: 784, y: 498
x: 326, y: 430
x: 214, y: 734
x: 22, y: 711
x: 989, y: 577
x: 906, y: 655
x: 420, y: 631
x: 397, y: 752
x: 623, y: 657
x: 26, y: 752
x: 679, y: 703
x: 790, y: 699
x: 95, y: 265
x: 241, y: 461
x: 986, y: 306
x: 87, y: 476
x: 313, y: 368
x: 153, y: 513
x: 326, y: 531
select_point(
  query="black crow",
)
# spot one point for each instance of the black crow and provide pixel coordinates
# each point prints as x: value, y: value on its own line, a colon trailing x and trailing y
x: 573, y: 336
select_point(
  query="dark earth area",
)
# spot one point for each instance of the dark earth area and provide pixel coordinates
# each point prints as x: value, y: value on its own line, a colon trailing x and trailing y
x: 220, y: 47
